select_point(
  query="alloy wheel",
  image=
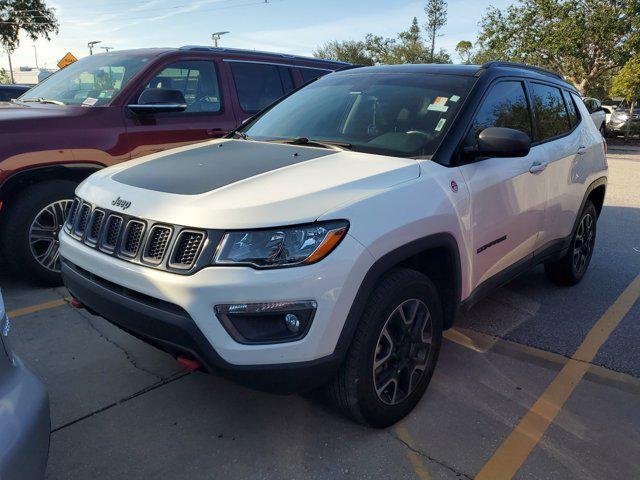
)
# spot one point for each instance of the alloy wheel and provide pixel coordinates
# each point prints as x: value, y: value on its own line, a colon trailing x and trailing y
x: 583, y: 244
x: 402, y: 352
x: 44, y: 231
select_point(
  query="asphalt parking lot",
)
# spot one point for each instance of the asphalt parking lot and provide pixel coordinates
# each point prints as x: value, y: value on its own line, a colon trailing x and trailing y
x: 537, y: 381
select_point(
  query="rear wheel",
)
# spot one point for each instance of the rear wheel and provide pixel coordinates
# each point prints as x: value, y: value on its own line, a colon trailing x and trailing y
x: 393, y: 353
x: 570, y: 269
x: 30, y: 231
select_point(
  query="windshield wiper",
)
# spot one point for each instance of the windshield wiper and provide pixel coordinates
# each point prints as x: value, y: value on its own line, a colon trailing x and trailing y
x: 241, y: 135
x: 316, y: 143
x: 43, y: 100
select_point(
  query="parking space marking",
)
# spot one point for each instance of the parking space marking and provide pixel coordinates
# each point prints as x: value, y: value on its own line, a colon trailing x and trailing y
x: 37, y: 308
x: 416, y: 461
x: 517, y: 447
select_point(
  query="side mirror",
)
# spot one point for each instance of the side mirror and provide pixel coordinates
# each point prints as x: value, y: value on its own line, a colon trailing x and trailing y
x: 157, y: 100
x: 502, y: 142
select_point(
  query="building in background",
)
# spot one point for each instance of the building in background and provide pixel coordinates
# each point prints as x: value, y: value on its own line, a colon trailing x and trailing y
x: 31, y: 76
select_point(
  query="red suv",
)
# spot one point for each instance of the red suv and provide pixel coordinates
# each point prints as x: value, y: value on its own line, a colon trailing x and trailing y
x: 113, y: 107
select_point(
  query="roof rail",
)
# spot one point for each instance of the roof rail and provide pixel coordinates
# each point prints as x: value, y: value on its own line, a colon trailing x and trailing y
x: 501, y: 63
x: 204, y: 48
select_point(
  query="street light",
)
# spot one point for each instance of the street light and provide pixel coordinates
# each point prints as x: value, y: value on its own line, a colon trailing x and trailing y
x: 216, y: 36
x: 93, y: 44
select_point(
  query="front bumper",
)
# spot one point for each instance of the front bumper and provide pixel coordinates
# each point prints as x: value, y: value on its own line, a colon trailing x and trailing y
x: 24, y: 422
x: 176, y: 312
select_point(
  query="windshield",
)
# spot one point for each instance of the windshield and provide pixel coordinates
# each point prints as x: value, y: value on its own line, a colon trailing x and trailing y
x: 395, y: 114
x: 92, y: 81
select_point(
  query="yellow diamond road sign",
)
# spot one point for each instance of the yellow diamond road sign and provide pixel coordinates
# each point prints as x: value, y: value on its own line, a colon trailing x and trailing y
x: 67, y: 60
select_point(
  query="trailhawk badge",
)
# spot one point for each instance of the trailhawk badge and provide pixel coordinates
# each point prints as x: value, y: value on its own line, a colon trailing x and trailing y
x: 123, y: 204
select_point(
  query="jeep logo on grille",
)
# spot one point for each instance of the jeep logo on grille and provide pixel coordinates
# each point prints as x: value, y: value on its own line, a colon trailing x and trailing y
x: 119, y: 202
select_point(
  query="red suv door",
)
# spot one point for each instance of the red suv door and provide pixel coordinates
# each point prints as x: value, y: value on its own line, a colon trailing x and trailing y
x: 209, y: 112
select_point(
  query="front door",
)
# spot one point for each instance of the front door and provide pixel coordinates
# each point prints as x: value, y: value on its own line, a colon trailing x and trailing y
x: 208, y: 114
x: 507, y: 195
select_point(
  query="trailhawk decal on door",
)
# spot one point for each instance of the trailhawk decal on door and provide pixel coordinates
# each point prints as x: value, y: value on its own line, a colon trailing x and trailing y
x: 491, y: 244
x: 210, y: 167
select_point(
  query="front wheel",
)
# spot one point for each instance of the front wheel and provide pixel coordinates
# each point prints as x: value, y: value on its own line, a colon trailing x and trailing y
x: 34, y: 219
x: 570, y: 269
x: 393, y: 353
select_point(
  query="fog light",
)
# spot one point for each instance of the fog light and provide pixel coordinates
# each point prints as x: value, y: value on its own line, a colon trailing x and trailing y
x: 292, y: 321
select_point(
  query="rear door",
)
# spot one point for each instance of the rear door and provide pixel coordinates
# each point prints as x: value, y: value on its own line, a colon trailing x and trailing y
x: 208, y: 114
x: 257, y: 85
x: 508, y: 195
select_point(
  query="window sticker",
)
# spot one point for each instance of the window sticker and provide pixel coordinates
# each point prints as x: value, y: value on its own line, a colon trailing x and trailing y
x: 454, y: 98
x: 90, y: 101
x: 440, y: 124
x: 440, y: 101
x: 436, y: 107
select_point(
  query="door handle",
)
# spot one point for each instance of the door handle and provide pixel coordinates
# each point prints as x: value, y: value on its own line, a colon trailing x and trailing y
x: 537, y: 167
x: 216, y: 132
x: 582, y: 150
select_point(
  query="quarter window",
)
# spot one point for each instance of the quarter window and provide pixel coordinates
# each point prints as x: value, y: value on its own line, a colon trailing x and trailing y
x: 198, y: 82
x: 309, y: 74
x: 551, y: 113
x: 571, y: 108
x: 505, y: 106
x: 259, y: 85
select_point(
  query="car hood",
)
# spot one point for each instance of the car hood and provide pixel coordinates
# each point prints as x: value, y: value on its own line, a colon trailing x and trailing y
x: 243, y: 184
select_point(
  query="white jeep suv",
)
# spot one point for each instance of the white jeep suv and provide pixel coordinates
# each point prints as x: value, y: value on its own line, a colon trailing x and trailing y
x: 333, y: 238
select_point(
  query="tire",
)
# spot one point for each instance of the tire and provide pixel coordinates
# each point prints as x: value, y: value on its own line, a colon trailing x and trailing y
x: 571, y: 268
x: 48, y: 201
x: 355, y: 389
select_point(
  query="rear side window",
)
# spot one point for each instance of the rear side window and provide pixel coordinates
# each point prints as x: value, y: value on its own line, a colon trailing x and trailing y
x: 259, y: 85
x: 198, y: 82
x: 309, y: 74
x: 505, y: 106
x: 551, y: 113
x: 571, y: 108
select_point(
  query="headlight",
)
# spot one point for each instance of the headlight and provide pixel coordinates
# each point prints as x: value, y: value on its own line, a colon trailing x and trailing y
x: 281, y: 247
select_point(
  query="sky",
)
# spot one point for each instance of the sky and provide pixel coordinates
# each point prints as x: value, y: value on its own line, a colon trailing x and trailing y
x: 287, y: 26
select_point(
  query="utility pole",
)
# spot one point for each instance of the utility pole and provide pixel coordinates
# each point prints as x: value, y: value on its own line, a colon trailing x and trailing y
x: 35, y: 52
x: 216, y: 36
x: 106, y: 49
x: 10, y: 68
x: 93, y: 44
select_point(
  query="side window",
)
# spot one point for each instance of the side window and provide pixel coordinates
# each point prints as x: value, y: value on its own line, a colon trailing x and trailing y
x: 571, y: 107
x: 551, y: 113
x: 259, y: 85
x: 505, y: 106
x: 309, y: 74
x: 286, y: 79
x: 198, y: 82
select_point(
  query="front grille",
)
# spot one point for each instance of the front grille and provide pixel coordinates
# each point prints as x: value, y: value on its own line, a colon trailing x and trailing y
x: 174, y: 248
x: 95, y: 225
x: 83, y: 219
x: 132, y: 238
x: 159, y: 237
x: 186, y: 249
x: 111, y: 232
x: 71, y: 215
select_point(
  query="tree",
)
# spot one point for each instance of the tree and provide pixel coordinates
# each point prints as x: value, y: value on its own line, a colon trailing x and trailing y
x: 4, y: 76
x: 31, y: 16
x: 585, y: 40
x: 350, y: 51
x: 436, y: 11
x: 627, y: 84
x: 464, y: 49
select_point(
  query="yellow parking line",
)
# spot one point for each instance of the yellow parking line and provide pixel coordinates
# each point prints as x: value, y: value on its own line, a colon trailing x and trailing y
x: 36, y: 308
x: 514, y: 451
x: 414, y: 458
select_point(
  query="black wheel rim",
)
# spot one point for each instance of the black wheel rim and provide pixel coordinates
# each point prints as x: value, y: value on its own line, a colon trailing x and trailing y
x: 583, y: 244
x: 44, y: 231
x: 402, y: 357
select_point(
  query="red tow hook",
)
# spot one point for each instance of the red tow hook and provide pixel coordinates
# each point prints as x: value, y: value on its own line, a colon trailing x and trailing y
x: 75, y: 303
x: 188, y: 363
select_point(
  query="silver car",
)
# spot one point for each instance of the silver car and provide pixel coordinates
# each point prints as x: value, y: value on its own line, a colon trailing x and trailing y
x: 24, y: 414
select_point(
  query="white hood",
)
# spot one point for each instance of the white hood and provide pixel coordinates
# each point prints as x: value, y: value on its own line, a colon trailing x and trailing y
x: 243, y: 184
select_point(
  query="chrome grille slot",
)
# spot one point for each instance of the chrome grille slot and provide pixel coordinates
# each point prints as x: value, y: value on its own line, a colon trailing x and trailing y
x: 71, y: 216
x: 157, y: 243
x: 95, y: 224
x: 186, y: 249
x: 132, y: 238
x: 111, y: 232
x: 83, y: 219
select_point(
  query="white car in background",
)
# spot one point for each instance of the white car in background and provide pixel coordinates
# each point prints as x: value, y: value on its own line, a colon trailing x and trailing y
x: 598, y: 113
